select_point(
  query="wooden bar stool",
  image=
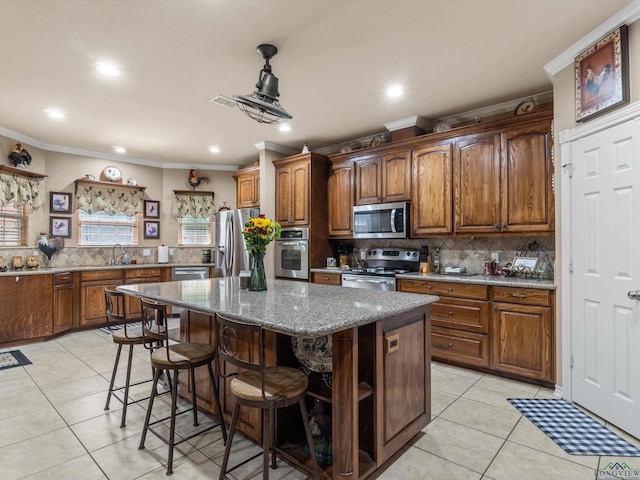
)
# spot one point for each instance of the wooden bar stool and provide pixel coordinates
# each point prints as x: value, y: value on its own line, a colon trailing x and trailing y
x: 174, y: 357
x: 258, y: 386
x: 127, y: 335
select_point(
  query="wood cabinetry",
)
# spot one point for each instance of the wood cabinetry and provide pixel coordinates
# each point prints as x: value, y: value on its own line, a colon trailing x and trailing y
x: 139, y: 275
x: 326, y: 278
x: 26, y: 307
x: 340, y: 192
x: 247, y: 187
x: 63, y: 301
x: 92, y: 303
x: 522, y: 333
x: 431, y: 201
x: 383, y: 178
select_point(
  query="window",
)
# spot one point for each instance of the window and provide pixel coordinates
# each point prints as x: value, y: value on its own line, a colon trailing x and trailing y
x: 194, y: 231
x: 14, y: 225
x: 100, y: 228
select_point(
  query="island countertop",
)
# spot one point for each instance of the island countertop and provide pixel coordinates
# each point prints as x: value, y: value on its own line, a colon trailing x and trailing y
x: 289, y: 307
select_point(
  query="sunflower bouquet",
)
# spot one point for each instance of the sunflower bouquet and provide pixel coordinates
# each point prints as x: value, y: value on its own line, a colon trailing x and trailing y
x: 260, y: 232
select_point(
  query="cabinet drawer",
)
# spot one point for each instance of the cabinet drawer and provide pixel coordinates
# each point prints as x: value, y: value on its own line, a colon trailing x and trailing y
x: 469, y: 315
x: 100, y: 275
x: 525, y: 296
x: 326, y: 278
x: 142, y: 273
x: 465, y: 347
x: 450, y: 289
x: 62, y: 278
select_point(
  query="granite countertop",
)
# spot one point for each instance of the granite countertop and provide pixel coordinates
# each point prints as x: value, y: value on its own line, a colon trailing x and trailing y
x: 41, y: 270
x: 292, y: 308
x: 546, y: 284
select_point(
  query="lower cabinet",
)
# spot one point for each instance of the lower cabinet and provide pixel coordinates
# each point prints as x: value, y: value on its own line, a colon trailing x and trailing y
x: 326, y: 278
x: 63, y: 300
x: 26, y: 309
x: 139, y: 275
x: 92, y: 285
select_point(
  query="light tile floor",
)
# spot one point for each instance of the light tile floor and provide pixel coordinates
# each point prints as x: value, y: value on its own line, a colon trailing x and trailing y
x: 53, y: 426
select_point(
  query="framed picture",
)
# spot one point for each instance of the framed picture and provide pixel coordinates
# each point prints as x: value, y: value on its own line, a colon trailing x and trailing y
x: 151, y: 209
x: 522, y: 263
x: 151, y: 229
x: 60, y: 227
x: 60, y: 202
x: 602, y: 75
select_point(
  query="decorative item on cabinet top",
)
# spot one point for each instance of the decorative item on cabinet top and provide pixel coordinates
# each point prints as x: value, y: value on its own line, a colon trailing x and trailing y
x: 195, y: 181
x: 112, y: 173
x: 19, y: 156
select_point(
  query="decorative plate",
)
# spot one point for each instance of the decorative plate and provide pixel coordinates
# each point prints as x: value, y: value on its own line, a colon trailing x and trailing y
x: 525, y: 107
x: 314, y: 353
x: 375, y: 141
x: 112, y: 173
x: 442, y: 126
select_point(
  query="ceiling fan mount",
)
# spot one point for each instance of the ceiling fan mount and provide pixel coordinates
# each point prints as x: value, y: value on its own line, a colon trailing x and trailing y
x: 262, y: 105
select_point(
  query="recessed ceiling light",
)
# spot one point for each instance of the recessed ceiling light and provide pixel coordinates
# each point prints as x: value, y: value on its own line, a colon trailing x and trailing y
x: 395, y: 91
x: 214, y: 149
x: 285, y: 127
x: 120, y: 149
x: 108, y: 69
x: 55, y: 113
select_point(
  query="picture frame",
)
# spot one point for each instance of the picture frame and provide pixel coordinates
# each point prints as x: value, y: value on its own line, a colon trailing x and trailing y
x: 151, y: 230
x: 602, y: 75
x: 525, y: 263
x: 60, y: 226
x: 59, y: 202
x: 151, y: 209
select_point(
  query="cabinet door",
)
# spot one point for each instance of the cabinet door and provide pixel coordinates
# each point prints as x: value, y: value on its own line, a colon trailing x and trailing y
x: 527, y: 171
x: 368, y: 180
x: 248, y: 190
x: 92, y: 305
x: 341, y: 200
x: 62, y: 307
x: 26, y: 307
x: 292, y: 193
x: 284, y: 183
x: 476, y: 173
x: 522, y: 341
x: 396, y: 176
x: 431, y: 205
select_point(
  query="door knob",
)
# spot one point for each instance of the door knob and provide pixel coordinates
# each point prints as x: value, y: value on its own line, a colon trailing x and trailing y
x: 634, y: 295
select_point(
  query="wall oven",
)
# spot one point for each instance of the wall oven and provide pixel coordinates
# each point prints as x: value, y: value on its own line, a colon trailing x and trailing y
x: 382, y: 220
x: 292, y: 253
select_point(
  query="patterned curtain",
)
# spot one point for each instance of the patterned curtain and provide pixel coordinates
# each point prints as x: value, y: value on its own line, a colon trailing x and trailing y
x: 19, y: 189
x: 108, y: 199
x: 193, y: 204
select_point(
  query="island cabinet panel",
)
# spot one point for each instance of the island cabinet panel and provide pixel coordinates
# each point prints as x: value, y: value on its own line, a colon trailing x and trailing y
x: 92, y: 303
x: 247, y: 187
x: 340, y: 192
x: 26, y: 307
x: 431, y: 200
x: 63, y: 301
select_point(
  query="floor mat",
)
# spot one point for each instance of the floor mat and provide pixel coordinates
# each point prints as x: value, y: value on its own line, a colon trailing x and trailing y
x: 573, y: 430
x: 108, y: 330
x: 14, y: 358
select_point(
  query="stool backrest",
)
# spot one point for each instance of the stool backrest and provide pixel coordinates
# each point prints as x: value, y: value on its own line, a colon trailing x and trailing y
x: 115, y: 309
x: 154, y: 328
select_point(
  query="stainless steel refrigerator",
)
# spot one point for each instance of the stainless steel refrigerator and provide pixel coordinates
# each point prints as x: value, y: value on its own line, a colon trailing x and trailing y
x: 231, y: 254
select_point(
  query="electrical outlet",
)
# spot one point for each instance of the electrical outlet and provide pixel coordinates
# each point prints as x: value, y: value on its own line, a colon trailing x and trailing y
x: 146, y: 252
x: 171, y: 252
x: 495, y: 256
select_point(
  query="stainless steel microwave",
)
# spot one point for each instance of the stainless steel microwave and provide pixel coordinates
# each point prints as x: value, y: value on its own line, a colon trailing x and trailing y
x: 381, y: 220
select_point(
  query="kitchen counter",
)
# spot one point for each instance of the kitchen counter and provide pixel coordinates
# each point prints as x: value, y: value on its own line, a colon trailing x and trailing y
x: 41, y: 270
x: 291, y: 308
x: 545, y: 284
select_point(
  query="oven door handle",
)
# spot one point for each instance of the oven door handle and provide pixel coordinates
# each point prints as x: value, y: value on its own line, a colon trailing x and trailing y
x: 361, y: 280
x: 293, y: 244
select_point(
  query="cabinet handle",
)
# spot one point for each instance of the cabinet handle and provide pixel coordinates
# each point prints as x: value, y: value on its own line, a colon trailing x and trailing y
x: 504, y: 227
x: 519, y: 295
x: 428, y: 287
x: 451, y: 289
x: 325, y: 278
x: 450, y: 312
x: 495, y: 309
x: 444, y: 346
x: 497, y: 227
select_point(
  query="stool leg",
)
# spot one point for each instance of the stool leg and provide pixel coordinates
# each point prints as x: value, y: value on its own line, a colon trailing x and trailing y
x: 113, y: 376
x: 154, y: 388
x: 126, y: 388
x: 273, y: 438
x: 227, y: 448
x: 214, y: 386
x: 307, y: 429
x: 172, y: 428
x: 266, y: 439
x: 194, y: 400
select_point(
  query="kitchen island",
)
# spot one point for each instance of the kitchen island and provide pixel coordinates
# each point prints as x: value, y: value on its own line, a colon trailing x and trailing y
x: 376, y: 386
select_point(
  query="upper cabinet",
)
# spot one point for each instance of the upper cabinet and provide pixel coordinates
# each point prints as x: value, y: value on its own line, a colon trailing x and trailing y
x: 341, y: 199
x: 247, y: 187
x: 383, y: 178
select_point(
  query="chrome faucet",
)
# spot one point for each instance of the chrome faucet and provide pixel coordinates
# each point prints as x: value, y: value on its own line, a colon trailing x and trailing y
x: 113, y: 254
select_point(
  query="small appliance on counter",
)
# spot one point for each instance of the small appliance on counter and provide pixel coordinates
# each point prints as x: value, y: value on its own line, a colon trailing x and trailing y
x: 206, y: 255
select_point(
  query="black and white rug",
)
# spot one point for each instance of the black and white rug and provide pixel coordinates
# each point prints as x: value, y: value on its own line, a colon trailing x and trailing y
x: 572, y: 429
x: 14, y: 358
x: 109, y: 330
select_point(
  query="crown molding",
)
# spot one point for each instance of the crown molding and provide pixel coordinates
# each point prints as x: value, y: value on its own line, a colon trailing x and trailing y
x: 274, y: 147
x: 627, y: 15
x: 414, y: 121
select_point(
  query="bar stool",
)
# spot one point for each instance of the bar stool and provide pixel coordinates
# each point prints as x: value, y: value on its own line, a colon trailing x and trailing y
x: 175, y: 357
x: 127, y: 335
x: 258, y: 386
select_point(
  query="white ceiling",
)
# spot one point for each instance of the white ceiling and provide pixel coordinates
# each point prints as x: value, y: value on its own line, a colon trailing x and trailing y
x: 336, y: 57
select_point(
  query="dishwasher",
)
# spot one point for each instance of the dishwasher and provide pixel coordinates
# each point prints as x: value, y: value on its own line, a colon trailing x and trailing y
x: 187, y: 273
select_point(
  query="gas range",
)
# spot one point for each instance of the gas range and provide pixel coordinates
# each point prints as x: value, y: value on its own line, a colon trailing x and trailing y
x: 382, y: 265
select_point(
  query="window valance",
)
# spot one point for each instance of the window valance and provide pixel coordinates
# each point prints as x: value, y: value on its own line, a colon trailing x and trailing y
x: 93, y: 197
x: 19, y: 189
x: 196, y: 204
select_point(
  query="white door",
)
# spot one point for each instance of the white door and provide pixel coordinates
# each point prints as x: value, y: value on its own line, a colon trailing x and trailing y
x: 605, y: 244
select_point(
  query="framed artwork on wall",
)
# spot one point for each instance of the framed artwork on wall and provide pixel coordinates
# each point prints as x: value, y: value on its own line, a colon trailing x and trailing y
x: 602, y: 75
x: 151, y: 209
x: 151, y: 229
x: 60, y: 202
x: 60, y: 226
